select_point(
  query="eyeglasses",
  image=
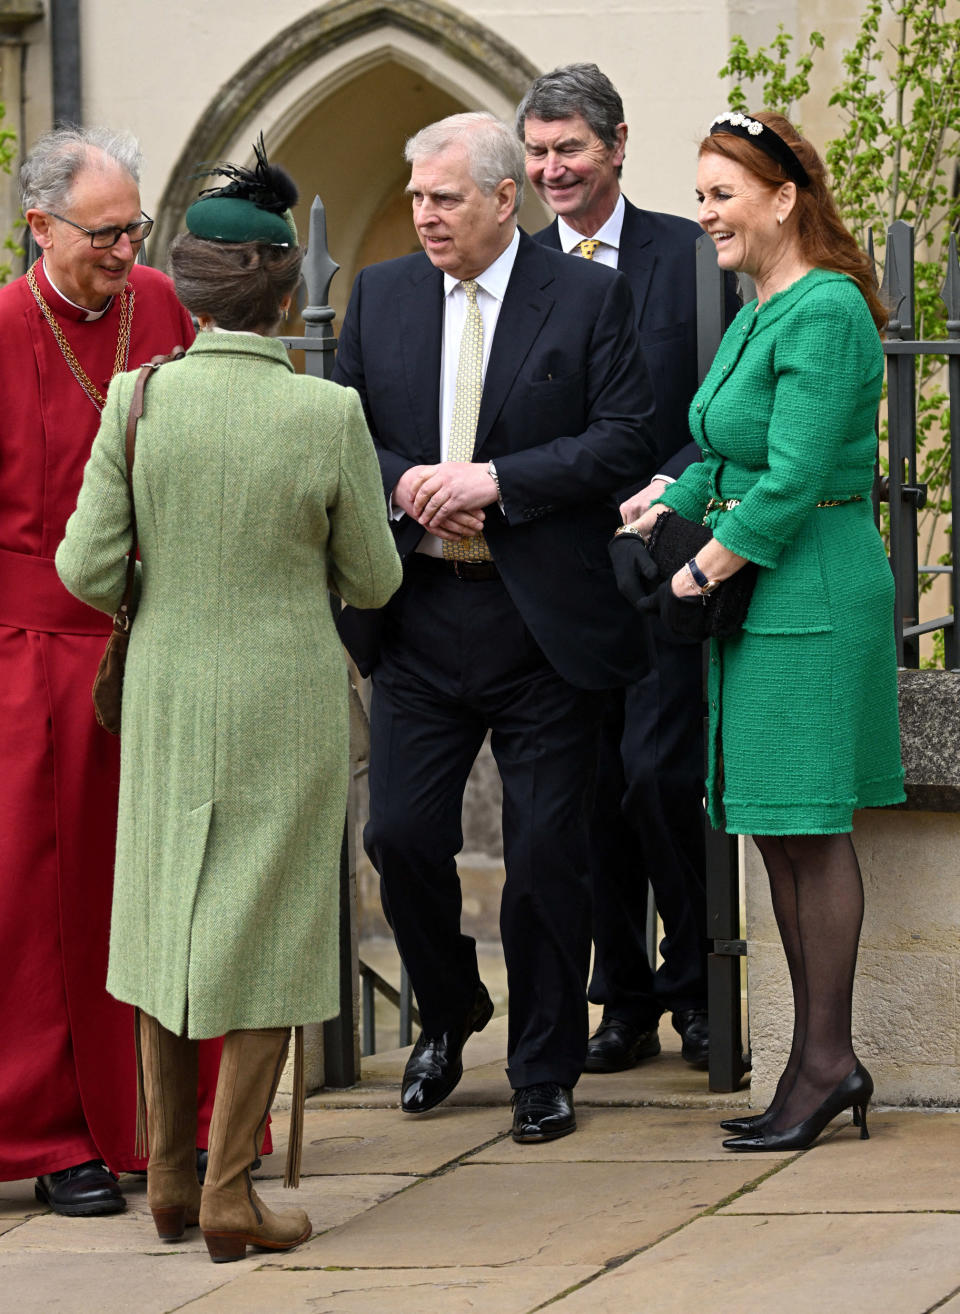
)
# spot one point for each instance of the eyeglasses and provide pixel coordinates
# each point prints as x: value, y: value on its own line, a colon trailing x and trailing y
x: 101, y: 239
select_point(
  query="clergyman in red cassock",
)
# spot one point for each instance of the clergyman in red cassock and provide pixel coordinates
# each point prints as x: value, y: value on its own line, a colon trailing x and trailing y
x: 81, y: 314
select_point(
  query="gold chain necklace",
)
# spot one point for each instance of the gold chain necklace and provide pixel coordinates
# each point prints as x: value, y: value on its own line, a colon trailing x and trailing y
x: 69, y: 355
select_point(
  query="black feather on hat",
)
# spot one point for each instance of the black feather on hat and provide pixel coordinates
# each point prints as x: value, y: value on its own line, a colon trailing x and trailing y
x: 253, y: 207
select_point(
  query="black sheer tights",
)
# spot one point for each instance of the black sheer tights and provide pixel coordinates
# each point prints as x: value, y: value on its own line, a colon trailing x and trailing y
x: 818, y: 903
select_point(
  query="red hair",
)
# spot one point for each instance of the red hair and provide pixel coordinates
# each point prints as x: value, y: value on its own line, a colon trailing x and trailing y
x: 823, y: 238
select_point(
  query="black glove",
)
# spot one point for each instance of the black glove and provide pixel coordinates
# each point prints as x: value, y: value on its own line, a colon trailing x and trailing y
x: 687, y: 619
x: 636, y: 571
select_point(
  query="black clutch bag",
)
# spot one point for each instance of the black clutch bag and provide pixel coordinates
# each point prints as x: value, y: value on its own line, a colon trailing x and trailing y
x: 644, y: 568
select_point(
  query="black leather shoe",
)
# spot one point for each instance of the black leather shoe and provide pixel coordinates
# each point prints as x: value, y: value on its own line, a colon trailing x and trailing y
x: 749, y: 1122
x: 88, y: 1188
x: 436, y: 1064
x: 694, y: 1031
x: 616, y: 1045
x: 543, y: 1112
x: 853, y: 1092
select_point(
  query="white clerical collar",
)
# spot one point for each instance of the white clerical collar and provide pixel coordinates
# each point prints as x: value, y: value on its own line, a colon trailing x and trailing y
x: 88, y: 314
x: 608, y: 234
x: 495, y: 277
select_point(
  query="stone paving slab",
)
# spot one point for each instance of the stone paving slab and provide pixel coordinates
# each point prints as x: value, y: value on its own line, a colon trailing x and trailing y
x: 69, y: 1283
x: 339, y: 1141
x: 911, y: 1161
x: 546, y: 1213
x: 393, y: 1291
x: 17, y: 1200
x: 330, y: 1202
x: 622, y: 1136
x: 873, y: 1264
x: 665, y: 1080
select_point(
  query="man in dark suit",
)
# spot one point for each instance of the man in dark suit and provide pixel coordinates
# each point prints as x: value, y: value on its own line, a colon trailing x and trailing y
x: 508, y: 401
x: 648, y: 817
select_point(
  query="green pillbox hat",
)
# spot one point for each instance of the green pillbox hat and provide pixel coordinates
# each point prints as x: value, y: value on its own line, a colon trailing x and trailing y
x: 220, y: 218
x: 255, y: 206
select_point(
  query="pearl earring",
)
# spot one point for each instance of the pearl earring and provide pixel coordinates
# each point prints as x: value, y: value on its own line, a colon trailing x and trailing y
x: 779, y: 218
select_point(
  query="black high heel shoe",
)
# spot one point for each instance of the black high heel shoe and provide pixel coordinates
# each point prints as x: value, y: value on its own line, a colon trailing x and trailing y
x: 750, y: 1122
x: 853, y: 1092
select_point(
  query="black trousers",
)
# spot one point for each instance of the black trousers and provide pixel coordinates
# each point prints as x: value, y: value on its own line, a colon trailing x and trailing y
x: 647, y: 825
x: 457, y: 660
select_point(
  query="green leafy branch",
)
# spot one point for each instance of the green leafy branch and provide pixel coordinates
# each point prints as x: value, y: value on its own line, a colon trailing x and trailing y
x: 8, y: 153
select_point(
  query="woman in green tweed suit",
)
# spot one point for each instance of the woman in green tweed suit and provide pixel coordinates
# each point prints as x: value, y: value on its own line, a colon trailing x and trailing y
x: 803, y: 700
x: 256, y: 491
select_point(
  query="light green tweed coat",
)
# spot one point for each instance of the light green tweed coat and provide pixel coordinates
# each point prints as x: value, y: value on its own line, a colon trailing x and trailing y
x: 254, y: 488
x: 803, y: 701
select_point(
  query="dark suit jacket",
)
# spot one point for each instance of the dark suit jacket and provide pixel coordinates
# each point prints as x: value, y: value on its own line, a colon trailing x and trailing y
x: 566, y: 415
x: 658, y: 255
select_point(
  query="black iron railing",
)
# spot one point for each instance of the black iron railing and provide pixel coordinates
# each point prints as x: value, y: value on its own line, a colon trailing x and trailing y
x: 901, y: 488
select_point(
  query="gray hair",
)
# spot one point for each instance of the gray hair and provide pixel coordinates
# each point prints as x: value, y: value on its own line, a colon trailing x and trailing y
x: 574, y: 89
x: 492, y: 149
x: 48, y: 173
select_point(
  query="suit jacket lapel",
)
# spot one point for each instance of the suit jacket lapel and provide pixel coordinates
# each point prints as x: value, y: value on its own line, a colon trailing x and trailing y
x: 637, y: 257
x: 550, y: 236
x: 525, y: 308
x: 420, y: 316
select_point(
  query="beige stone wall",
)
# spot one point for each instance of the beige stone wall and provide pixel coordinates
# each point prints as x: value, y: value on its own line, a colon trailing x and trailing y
x: 339, y: 120
x: 906, y: 1020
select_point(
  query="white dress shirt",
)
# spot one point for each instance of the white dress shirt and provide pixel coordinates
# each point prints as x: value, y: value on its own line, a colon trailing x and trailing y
x: 608, y: 235
x: 491, y: 289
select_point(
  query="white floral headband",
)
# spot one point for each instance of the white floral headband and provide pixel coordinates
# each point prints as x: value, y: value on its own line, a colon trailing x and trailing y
x: 765, y: 139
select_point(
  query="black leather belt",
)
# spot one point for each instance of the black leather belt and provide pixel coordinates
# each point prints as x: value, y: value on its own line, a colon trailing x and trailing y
x: 471, y: 572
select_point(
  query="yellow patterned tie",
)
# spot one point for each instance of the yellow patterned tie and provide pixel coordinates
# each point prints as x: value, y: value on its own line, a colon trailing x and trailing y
x: 587, y: 247
x: 466, y: 412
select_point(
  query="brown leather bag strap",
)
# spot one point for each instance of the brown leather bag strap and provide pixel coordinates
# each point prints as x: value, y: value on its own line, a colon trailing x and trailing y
x: 121, y: 620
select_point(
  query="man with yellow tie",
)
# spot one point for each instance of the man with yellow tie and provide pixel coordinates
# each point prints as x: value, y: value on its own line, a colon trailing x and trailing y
x: 508, y: 401
x: 648, y: 819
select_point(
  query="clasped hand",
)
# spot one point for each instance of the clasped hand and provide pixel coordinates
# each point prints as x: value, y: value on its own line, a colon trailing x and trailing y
x: 682, y: 583
x: 447, y: 499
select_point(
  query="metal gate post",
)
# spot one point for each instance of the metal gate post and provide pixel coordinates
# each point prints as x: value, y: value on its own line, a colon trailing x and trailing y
x: 341, y: 1037
x: 727, y: 1060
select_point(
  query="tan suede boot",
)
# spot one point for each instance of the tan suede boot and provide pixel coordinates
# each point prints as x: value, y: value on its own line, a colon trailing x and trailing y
x: 232, y: 1215
x: 169, y: 1065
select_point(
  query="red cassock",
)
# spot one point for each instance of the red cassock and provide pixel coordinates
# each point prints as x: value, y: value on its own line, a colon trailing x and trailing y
x: 67, y: 1067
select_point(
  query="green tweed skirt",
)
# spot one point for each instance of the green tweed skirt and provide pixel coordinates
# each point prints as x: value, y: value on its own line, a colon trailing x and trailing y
x: 804, y: 727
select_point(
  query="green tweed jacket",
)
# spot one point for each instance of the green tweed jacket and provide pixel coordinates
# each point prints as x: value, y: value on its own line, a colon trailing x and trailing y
x: 256, y: 490
x: 803, y: 703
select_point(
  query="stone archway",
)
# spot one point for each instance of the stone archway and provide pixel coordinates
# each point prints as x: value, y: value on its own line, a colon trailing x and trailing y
x: 336, y: 94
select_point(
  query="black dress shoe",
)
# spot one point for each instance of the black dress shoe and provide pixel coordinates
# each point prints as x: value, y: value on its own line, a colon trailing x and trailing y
x: 88, y: 1188
x: 694, y: 1031
x: 436, y: 1064
x: 616, y: 1045
x: 543, y: 1112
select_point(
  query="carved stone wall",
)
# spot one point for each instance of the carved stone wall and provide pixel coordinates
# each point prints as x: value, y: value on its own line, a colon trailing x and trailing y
x: 907, y: 993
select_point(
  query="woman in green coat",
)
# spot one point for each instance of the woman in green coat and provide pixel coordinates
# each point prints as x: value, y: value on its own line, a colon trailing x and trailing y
x: 256, y: 492
x: 803, y: 700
